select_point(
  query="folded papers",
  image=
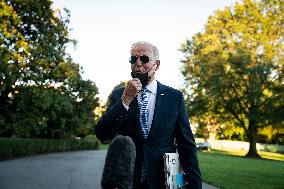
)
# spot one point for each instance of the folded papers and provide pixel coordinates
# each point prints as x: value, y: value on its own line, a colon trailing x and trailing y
x: 174, y: 175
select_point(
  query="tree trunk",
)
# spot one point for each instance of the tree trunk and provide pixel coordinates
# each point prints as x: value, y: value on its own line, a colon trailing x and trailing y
x: 252, y: 134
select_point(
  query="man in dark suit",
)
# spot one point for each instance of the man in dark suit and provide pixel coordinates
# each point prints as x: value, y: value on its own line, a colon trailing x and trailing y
x: 155, y: 117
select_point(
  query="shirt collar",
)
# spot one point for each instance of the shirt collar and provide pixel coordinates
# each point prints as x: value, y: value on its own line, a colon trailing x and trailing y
x: 152, y: 87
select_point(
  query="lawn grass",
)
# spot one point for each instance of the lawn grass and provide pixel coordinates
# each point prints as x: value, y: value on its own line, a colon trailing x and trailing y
x: 264, y: 155
x: 227, y: 171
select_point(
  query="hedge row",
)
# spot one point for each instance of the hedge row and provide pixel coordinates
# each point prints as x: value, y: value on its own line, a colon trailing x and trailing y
x: 18, y: 147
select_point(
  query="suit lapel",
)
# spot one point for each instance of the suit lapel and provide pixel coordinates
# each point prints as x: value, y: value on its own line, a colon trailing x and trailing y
x: 158, y: 110
x: 134, y: 119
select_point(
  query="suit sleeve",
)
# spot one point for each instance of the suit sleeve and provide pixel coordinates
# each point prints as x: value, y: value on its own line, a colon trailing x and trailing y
x: 112, y: 120
x: 187, y: 148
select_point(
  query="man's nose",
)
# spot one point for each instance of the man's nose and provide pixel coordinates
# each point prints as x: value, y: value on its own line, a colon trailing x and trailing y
x: 138, y: 62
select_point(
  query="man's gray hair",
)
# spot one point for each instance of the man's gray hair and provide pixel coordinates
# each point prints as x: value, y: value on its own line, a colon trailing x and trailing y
x: 153, y: 48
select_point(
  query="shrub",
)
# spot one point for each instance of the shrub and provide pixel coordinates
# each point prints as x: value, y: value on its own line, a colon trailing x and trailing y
x: 18, y: 147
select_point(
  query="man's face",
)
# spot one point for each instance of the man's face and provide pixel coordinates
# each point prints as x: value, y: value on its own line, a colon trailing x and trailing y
x: 139, y: 50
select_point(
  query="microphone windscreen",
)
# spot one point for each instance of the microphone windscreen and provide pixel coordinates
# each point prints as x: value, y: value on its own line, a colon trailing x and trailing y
x: 119, y: 164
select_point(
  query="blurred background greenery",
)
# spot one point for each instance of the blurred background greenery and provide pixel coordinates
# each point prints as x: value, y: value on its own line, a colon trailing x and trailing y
x: 233, y: 76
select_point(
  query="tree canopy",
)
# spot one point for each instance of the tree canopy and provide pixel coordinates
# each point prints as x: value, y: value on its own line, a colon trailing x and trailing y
x: 42, y: 91
x: 234, y: 68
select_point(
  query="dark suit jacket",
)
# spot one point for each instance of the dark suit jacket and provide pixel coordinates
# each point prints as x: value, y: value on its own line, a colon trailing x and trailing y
x: 170, y: 121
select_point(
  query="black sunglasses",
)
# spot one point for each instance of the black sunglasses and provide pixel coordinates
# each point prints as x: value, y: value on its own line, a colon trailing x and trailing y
x: 143, y: 58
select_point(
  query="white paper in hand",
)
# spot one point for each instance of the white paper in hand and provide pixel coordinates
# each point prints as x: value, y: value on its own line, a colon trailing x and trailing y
x: 173, y: 171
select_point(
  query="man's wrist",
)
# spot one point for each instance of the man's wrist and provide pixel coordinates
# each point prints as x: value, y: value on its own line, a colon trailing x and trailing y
x: 125, y: 102
x: 125, y: 106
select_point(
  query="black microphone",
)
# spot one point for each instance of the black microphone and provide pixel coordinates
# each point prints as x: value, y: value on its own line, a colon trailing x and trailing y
x: 119, y: 164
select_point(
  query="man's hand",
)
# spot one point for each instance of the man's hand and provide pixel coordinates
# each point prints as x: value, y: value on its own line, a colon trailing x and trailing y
x: 133, y: 87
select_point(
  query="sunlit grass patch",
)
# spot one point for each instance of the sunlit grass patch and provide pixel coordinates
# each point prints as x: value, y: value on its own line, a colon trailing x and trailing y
x: 229, y: 170
x: 265, y: 155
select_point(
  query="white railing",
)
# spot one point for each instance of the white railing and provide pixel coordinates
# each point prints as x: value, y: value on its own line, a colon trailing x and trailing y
x: 239, y: 145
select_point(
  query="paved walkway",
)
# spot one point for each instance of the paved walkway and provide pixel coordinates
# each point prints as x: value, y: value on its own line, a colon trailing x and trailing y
x: 70, y: 170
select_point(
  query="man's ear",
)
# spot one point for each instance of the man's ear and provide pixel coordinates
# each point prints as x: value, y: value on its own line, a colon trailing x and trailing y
x: 158, y: 64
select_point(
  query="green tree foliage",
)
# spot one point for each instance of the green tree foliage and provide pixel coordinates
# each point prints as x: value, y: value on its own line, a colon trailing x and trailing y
x: 120, y: 85
x: 234, y: 68
x: 85, y: 104
x: 48, y: 111
x: 42, y: 93
x: 13, y: 50
x: 101, y: 108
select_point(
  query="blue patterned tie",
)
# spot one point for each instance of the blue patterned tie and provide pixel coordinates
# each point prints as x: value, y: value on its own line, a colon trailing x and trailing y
x: 144, y: 112
x: 144, y: 115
